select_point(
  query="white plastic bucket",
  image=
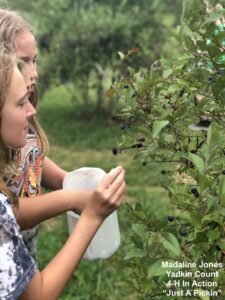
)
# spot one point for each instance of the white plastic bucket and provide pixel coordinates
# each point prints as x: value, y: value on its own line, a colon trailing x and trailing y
x: 107, y: 239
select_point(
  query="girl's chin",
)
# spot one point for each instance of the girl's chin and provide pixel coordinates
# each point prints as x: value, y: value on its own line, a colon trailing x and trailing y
x: 20, y: 144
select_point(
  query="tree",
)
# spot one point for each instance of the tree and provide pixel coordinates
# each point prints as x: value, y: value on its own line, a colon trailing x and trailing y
x: 159, y: 104
x: 79, y: 41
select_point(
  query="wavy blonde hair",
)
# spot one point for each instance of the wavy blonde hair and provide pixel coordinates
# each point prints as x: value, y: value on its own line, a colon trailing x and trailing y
x: 11, y: 26
x: 7, y: 65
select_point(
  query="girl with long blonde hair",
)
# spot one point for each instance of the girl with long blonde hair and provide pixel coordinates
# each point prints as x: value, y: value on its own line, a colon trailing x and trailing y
x: 19, y: 274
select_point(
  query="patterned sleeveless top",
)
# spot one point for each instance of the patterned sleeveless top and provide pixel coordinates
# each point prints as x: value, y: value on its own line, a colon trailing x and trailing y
x: 27, y: 181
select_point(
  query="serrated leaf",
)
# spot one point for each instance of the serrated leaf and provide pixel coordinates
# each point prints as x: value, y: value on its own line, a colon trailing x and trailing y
x: 198, y: 162
x: 158, y: 126
x: 170, y: 242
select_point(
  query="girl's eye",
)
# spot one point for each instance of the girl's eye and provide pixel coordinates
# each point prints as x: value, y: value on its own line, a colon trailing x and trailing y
x: 26, y: 60
x: 22, y: 104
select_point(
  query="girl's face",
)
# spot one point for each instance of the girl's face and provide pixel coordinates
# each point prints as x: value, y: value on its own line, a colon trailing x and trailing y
x: 25, y: 49
x: 16, y: 112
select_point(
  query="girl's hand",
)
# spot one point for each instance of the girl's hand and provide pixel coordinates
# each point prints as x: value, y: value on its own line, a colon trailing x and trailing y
x: 107, y: 196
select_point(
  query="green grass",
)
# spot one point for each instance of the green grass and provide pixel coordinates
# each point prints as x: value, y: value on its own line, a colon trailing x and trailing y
x: 76, y: 142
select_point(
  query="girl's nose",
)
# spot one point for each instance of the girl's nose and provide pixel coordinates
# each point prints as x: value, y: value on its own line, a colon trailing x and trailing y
x: 31, y: 111
x: 33, y: 73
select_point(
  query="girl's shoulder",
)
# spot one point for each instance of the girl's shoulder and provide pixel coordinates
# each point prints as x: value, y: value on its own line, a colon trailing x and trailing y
x: 16, y: 265
x: 7, y: 218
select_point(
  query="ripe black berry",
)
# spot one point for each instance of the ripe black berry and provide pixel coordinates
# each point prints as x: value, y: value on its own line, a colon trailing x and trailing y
x: 126, y: 86
x: 183, y: 231
x: 211, y: 80
x: 163, y: 172
x: 141, y: 139
x: 194, y: 191
x: 170, y: 218
x: 218, y: 247
x: 138, y: 145
x: 115, y: 151
x: 197, y: 194
x: 144, y: 163
x: 223, y: 172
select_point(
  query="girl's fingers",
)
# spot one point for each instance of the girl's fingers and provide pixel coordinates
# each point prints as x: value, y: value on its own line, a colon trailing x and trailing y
x: 113, y: 188
x: 117, y: 197
x: 110, y: 177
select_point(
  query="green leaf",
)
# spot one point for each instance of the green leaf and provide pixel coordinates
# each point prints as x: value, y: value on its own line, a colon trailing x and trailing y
x: 218, y: 160
x: 221, y: 243
x: 211, y: 204
x: 134, y: 252
x: 214, y: 16
x: 222, y: 186
x: 156, y: 269
x: 195, y: 219
x: 198, y: 162
x: 167, y: 73
x: 211, y: 218
x: 215, y: 138
x: 140, y: 215
x: 197, y: 250
x: 158, y: 126
x: 222, y: 190
x: 213, y: 234
x: 140, y: 231
x: 204, y: 182
x: 170, y: 242
x: 201, y: 293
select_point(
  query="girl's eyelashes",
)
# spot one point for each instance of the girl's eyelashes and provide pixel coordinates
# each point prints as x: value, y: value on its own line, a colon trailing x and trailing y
x: 23, y: 103
x: 27, y: 60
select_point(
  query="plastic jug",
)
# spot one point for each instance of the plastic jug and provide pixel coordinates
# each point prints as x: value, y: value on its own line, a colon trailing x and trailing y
x: 107, y: 239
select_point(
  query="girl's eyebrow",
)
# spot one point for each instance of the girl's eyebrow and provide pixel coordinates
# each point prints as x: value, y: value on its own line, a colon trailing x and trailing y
x: 23, y: 98
x: 27, y: 57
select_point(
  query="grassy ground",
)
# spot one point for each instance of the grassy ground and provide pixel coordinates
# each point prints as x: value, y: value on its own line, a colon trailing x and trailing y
x: 74, y: 143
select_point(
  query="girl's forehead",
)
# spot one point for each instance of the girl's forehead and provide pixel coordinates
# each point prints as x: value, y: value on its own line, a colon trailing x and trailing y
x: 24, y: 39
x: 25, y: 44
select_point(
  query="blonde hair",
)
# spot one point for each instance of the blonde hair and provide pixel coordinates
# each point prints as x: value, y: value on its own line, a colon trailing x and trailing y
x: 11, y: 26
x: 7, y: 65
